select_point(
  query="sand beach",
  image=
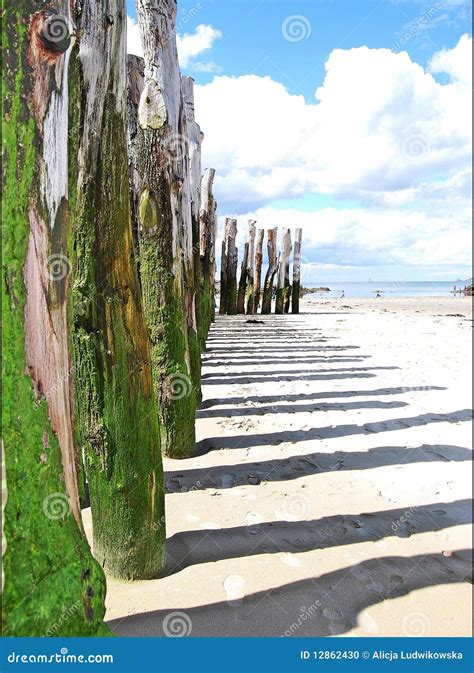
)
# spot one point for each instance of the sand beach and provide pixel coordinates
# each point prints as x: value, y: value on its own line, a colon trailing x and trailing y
x: 330, y: 491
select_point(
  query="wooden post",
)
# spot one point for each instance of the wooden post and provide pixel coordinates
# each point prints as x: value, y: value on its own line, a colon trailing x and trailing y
x: 243, y: 280
x: 165, y: 229
x: 230, y: 258
x: 271, y: 271
x: 48, y: 564
x: 250, y: 267
x: 223, y: 283
x: 286, y: 308
x: 283, y: 271
x: 117, y: 419
x: 257, y: 289
x: 192, y: 139
x: 295, y: 299
x: 207, y: 235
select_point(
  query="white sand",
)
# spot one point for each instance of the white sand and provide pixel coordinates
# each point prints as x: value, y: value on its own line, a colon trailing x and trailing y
x: 351, y: 423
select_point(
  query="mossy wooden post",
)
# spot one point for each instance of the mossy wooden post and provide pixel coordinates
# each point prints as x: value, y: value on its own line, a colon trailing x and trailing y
x: 229, y: 268
x: 295, y: 290
x: 271, y: 271
x: 165, y: 236
x: 117, y: 412
x: 241, y: 293
x: 250, y: 268
x: 257, y: 287
x: 207, y: 242
x: 283, y: 271
x: 53, y: 586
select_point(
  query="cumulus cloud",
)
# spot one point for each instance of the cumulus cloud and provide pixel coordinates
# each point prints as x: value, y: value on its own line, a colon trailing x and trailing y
x: 134, y: 44
x: 190, y: 46
x: 382, y: 134
x: 457, y: 62
x: 380, y: 123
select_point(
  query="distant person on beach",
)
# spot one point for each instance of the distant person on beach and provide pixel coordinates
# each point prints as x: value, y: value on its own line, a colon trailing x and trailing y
x: 342, y: 295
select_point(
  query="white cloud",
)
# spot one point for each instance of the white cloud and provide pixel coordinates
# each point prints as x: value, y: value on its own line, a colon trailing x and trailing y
x: 381, y: 124
x: 383, y: 133
x: 194, y: 44
x: 190, y: 46
x: 457, y: 62
x: 360, y: 237
x: 134, y: 44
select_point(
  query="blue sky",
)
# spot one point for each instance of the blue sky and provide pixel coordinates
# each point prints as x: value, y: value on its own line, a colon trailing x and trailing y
x: 323, y: 67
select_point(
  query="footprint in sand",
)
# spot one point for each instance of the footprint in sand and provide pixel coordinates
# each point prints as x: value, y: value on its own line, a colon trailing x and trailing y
x: 234, y: 589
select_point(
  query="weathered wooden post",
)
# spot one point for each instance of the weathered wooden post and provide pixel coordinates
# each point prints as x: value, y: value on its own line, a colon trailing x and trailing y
x: 283, y: 271
x: 257, y: 288
x: 250, y: 267
x: 117, y: 421
x: 48, y: 564
x: 286, y: 308
x: 191, y: 200
x: 223, y: 281
x: 208, y: 233
x: 229, y: 268
x: 295, y: 298
x: 271, y: 271
x: 165, y: 229
x: 243, y: 280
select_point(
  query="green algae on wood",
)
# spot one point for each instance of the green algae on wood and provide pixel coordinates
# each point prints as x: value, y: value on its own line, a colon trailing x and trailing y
x: 116, y: 407
x: 160, y: 159
x: 53, y: 586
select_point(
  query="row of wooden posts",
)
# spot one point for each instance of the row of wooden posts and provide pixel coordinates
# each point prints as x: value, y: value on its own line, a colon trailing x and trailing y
x: 108, y: 272
x: 249, y: 296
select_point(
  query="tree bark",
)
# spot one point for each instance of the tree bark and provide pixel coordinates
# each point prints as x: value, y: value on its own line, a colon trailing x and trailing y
x: 165, y: 229
x: 271, y: 271
x: 208, y: 233
x: 257, y: 288
x: 230, y: 258
x: 243, y: 280
x: 283, y: 272
x: 250, y: 267
x: 117, y: 411
x: 295, y: 298
x: 47, y: 563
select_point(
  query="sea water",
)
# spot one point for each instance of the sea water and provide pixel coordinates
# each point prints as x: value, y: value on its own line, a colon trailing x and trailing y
x: 388, y: 289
